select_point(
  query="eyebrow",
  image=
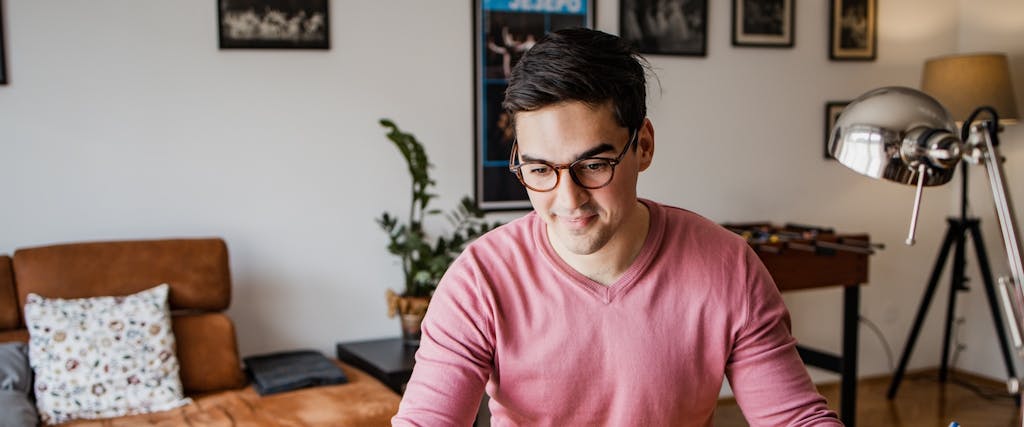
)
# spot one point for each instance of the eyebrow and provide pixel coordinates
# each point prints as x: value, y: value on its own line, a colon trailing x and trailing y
x: 600, y: 148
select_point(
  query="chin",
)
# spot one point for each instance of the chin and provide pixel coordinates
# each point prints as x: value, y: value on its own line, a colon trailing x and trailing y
x: 582, y: 244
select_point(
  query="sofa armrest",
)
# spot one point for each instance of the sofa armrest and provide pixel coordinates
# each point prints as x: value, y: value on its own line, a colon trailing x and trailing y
x: 10, y: 314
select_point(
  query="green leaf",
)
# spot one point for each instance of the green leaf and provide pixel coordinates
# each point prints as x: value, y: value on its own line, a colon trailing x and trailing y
x: 426, y: 258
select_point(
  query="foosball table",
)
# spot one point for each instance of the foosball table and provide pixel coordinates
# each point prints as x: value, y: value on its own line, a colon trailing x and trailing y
x: 806, y: 257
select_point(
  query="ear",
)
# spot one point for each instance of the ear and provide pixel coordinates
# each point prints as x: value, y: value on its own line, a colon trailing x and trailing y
x: 645, y: 144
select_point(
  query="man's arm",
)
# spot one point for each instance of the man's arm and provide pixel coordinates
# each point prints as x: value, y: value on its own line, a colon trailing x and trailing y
x: 765, y: 372
x: 455, y: 356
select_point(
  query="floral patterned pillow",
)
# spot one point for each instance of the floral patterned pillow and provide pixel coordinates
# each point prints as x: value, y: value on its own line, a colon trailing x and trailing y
x: 103, y: 357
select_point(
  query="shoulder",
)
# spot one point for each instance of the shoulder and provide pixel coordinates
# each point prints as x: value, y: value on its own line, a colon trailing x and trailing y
x: 488, y: 264
x: 516, y: 235
x: 500, y: 248
x: 701, y: 246
x: 714, y: 254
x: 690, y: 228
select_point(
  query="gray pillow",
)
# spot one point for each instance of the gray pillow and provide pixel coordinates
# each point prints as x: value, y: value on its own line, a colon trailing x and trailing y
x: 16, y: 387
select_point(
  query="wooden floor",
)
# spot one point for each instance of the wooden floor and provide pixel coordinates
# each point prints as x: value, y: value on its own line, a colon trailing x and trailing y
x: 921, y: 401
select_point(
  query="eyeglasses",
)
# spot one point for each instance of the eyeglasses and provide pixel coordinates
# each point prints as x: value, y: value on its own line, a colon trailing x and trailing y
x: 589, y: 172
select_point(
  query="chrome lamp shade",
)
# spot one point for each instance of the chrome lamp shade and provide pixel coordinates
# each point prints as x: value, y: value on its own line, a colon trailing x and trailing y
x: 897, y: 134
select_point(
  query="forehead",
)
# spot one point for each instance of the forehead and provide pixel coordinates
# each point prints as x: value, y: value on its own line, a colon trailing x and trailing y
x: 566, y: 129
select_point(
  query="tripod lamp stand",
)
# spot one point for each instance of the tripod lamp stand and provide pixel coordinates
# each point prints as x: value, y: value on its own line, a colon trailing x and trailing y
x: 906, y: 136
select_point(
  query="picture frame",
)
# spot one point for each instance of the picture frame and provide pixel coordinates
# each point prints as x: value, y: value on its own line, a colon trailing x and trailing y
x: 273, y: 24
x: 665, y: 27
x: 3, y: 50
x: 503, y: 30
x: 763, y: 23
x: 853, y: 30
x: 832, y: 111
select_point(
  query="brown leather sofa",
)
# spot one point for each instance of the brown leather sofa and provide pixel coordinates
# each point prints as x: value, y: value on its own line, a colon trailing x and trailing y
x: 198, y: 274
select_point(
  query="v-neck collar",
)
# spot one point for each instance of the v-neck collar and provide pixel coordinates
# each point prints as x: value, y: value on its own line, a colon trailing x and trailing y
x: 607, y: 293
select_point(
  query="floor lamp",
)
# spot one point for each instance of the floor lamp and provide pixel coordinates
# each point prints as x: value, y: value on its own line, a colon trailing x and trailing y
x: 962, y: 83
x: 904, y: 135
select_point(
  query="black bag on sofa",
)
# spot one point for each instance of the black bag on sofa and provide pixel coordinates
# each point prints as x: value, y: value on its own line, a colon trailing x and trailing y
x: 292, y: 370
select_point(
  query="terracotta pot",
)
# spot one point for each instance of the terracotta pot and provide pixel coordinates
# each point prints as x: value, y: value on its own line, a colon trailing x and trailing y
x: 410, y: 311
x: 411, y: 331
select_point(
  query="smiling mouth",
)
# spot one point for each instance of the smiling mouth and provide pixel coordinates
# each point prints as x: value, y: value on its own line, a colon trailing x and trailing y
x: 577, y: 222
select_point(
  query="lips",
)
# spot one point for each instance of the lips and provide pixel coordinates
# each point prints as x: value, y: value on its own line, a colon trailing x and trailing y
x: 577, y: 222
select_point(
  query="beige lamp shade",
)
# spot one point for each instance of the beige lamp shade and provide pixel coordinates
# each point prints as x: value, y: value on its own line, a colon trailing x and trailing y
x: 963, y: 83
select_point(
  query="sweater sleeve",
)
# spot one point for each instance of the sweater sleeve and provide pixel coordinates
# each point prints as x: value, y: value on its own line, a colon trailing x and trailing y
x: 765, y: 372
x: 455, y: 357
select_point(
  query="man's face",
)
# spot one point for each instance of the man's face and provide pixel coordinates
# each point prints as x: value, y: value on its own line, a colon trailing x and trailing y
x: 580, y: 220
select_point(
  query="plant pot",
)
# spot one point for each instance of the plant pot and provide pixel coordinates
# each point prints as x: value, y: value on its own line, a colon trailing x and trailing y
x: 411, y: 331
x: 410, y: 311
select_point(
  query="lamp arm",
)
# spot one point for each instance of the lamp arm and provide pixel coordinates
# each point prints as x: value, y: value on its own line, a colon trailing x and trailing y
x: 1007, y: 223
x: 921, y: 172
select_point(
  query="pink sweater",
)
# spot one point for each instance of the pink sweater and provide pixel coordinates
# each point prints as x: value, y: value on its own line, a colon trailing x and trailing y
x: 553, y: 348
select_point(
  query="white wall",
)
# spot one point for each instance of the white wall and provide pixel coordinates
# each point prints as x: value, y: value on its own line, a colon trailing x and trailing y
x: 123, y: 120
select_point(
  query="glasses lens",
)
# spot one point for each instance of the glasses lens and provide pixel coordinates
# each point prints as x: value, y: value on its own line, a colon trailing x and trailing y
x: 538, y: 176
x: 593, y: 173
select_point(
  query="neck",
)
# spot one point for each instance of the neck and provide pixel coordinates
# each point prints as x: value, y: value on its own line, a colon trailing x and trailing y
x: 610, y: 262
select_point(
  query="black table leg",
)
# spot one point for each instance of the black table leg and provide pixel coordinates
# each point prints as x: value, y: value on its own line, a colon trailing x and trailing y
x: 851, y: 318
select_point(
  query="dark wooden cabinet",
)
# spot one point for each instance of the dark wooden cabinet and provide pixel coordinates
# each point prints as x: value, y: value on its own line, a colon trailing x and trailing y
x: 388, y: 360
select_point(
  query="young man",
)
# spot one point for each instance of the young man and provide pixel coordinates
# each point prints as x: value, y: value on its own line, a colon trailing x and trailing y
x: 600, y: 308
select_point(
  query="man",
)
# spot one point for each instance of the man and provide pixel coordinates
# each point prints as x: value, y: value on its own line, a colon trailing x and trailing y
x: 600, y: 308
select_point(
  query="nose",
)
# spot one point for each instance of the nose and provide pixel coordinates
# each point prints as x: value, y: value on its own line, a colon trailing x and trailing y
x: 568, y: 194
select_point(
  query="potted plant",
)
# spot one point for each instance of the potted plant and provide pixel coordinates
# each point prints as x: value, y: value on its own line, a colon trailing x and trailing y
x: 424, y: 258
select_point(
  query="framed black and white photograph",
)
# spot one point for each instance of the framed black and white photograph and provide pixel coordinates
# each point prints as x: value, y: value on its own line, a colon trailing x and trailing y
x: 832, y: 111
x: 3, y: 52
x: 763, y: 23
x: 853, y: 34
x: 273, y: 24
x: 665, y: 27
x: 503, y: 31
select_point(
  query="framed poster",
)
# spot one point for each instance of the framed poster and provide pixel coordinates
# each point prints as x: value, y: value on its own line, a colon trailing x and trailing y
x: 832, y: 111
x: 852, y: 32
x: 665, y: 27
x: 503, y: 31
x: 273, y: 24
x: 763, y: 23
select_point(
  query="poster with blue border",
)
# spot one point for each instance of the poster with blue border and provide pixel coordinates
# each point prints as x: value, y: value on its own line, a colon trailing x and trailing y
x: 3, y: 67
x: 503, y: 31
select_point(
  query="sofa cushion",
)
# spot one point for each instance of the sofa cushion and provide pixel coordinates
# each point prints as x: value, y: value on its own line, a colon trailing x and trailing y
x: 208, y: 352
x: 104, y: 356
x: 9, y: 312
x: 16, y: 387
x: 362, y: 402
x: 196, y: 269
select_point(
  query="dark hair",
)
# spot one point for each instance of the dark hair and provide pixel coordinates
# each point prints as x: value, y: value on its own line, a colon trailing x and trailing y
x: 583, y: 65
